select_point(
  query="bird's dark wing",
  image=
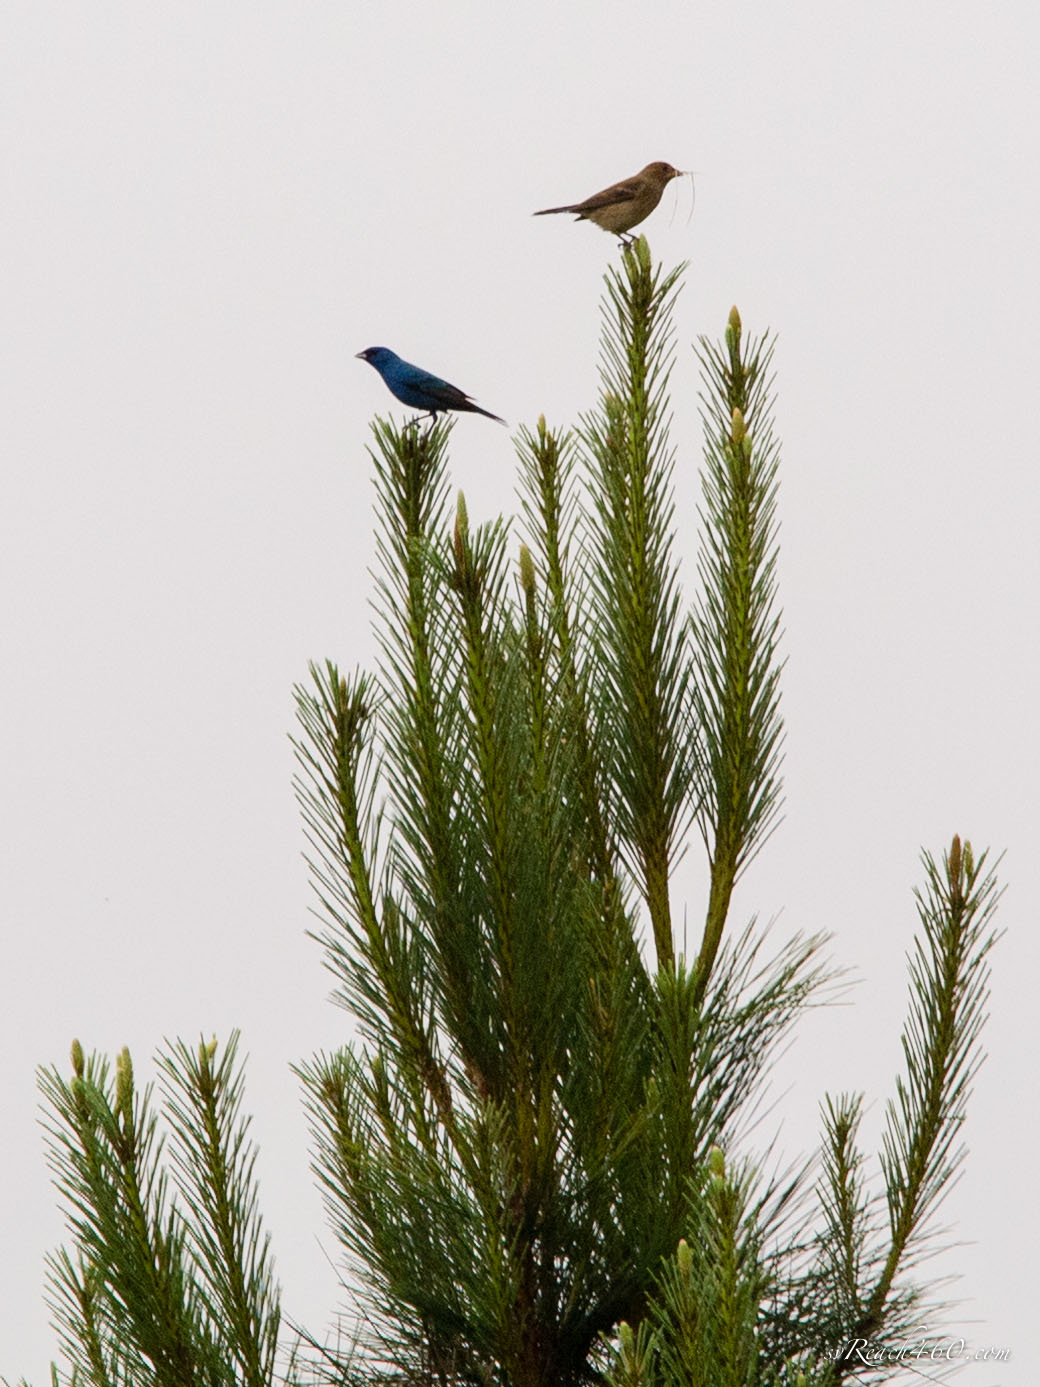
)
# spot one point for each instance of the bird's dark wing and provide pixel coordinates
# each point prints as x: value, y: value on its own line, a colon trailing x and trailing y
x: 446, y: 396
x: 451, y: 397
x: 609, y: 197
x: 422, y: 390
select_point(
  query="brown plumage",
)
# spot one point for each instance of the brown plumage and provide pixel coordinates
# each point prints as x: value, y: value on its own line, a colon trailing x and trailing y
x: 623, y: 205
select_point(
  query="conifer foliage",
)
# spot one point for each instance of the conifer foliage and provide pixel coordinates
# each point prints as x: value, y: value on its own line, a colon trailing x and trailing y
x: 531, y: 1147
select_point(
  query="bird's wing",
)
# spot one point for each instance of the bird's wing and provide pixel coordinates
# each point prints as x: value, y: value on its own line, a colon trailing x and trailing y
x: 447, y: 396
x: 610, y: 197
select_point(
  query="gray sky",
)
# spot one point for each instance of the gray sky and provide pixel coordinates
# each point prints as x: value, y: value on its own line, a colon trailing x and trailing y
x: 208, y: 209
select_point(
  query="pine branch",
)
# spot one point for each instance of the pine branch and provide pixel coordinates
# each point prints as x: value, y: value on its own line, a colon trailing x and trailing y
x: 214, y: 1165
x: 949, y: 981
x: 547, y: 467
x: 130, y: 1294
x: 370, y: 945
x: 854, y: 1291
x: 553, y: 516
x: 701, y: 1330
x: 644, y: 673
x: 430, y: 776
x: 845, y: 1208
x: 735, y: 626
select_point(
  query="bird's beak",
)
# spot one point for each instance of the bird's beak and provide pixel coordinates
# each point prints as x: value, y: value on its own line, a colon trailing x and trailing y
x: 361, y: 355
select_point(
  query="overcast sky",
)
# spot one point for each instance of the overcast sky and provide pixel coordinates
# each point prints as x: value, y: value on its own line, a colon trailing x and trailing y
x: 207, y: 209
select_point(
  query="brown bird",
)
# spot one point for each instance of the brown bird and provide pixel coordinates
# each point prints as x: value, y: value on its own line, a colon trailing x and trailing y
x: 625, y: 204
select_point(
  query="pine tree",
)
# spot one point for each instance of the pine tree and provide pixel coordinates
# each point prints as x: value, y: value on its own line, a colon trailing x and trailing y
x: 530, y: 1149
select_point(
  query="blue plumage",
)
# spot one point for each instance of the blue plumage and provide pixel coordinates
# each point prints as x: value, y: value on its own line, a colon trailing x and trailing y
x: 418, y: 388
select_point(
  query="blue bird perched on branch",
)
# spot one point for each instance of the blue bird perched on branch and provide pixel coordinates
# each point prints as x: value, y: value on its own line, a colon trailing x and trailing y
x: 418, y: 388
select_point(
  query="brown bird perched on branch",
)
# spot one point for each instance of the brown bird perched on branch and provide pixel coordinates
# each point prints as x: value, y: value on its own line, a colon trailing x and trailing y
x: 623, y: 205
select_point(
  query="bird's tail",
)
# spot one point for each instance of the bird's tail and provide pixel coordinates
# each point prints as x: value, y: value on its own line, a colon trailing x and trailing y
x: 548, y: 211
x: 486, y: 412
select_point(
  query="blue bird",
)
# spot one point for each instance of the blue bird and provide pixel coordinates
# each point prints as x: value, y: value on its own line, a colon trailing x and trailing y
x: 418, y: 388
